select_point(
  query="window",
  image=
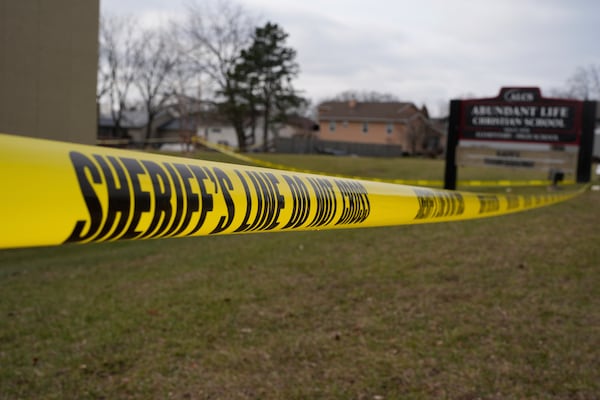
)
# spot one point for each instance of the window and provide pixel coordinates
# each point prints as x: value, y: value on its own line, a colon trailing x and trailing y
x: 215, y: 130
x: 332, y: 126
x: 365, y: 127
x: 389, y: 128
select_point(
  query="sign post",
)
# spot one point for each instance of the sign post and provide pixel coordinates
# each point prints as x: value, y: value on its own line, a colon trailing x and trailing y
x: 524, y: 129
x: 452, y: 142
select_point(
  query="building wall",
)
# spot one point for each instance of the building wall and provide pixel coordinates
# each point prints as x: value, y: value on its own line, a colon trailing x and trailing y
x: 219, y: 134
x: 286, y: 131
x: 348, y: 131
x: 48, y: 68
x: 138, y: 135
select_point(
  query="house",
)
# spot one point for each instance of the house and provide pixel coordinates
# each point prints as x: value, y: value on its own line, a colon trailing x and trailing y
x: 377, y: 128
x: 440, y: 124
x: 173, y: 125
x: 177, y: 124
x: 296, y: 125
x: 132, y: 125
x: 193, y: 117
x: 296, y: 134
x: 283, y: 136
x: 214, y: 128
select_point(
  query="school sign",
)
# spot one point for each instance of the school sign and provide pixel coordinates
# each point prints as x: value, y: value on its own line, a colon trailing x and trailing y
x: 520, y: 128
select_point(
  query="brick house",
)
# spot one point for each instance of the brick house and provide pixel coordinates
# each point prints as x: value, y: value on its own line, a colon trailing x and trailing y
x: 377, y: 128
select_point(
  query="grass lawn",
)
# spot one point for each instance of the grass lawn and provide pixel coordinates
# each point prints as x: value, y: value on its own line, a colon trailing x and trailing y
x: 499, y: 308
x: 380, y: 167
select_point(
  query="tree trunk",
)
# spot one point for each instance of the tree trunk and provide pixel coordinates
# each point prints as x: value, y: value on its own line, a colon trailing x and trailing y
x: 241, y: 135
x: 266, y: 116
x: 236, y: 117
x: 149, y: 128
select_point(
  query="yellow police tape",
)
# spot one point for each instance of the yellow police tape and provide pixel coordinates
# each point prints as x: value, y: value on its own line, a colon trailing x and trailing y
x: 419, y: 182
x: 55, y: 193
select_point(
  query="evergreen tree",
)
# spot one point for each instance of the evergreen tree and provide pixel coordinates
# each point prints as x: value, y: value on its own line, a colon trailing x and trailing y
x: 262, y: 80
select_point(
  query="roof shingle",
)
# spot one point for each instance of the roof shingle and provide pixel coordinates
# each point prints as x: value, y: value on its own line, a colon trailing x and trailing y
x: 353, y: 110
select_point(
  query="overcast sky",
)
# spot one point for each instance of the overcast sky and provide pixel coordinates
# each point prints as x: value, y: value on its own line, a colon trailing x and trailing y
x: 424, y: 51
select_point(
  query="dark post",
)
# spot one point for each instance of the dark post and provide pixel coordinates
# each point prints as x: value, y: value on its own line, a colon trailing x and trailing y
x: 586, y: 145
x: 451, y: 143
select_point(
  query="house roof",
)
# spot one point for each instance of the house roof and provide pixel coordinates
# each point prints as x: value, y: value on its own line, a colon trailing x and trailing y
x: 137, y: 118
x: 300, y: 122
x: 354, y: 110
x: 176, y: 124
x: 130, y: 119
x: 193, y: 120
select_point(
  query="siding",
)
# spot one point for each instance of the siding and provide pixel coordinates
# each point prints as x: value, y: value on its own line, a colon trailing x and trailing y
x: 352, y: 132
x: 48, y: 67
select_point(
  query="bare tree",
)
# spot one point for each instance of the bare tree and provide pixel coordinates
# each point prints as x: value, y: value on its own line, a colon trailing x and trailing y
x: 187, y: 86
x: 156, y: 62
x: 103, y: 81
x: 416, y: 131
x: 216, y: 31
x: 103, y: 78
x: 187, y: 102
x: 584, y: 84
x: 119, y: 53
x: 364, y: 96
x: 443, y: 108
